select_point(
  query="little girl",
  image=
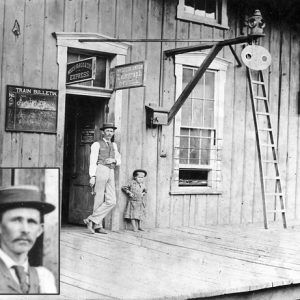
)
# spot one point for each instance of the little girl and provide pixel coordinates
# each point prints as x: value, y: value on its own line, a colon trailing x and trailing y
x: 136, y: 204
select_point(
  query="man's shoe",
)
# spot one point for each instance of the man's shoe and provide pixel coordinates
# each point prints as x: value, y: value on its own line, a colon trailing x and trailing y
x: 100, y: 230
x: 89, y: 225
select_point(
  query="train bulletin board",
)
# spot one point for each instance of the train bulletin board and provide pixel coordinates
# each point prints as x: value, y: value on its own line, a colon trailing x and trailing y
x: 31, y: 109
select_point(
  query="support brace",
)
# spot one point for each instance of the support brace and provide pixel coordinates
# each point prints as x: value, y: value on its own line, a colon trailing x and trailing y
x: 185, y: 93
x: 216, y: 47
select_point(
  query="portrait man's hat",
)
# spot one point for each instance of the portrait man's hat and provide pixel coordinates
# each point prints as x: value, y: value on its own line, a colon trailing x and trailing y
x: 108, y: 125
x: 27, y: 196
x: 139, y: 170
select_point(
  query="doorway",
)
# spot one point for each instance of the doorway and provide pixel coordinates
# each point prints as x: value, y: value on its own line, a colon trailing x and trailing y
x: 84, y: 115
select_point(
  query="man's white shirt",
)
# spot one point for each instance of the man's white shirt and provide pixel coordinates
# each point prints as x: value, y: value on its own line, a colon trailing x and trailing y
x: 94, y: 157
x: 46, y: 278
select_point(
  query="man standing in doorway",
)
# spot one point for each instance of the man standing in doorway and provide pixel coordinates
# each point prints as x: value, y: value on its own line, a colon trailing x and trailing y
x: 104, y: 158
x: 21, y: 210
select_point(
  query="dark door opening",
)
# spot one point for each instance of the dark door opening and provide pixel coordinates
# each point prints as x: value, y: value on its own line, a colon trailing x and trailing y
x: 84, y: 115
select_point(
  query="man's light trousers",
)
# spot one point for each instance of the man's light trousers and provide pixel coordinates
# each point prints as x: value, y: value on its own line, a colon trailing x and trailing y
x: 105, y: 198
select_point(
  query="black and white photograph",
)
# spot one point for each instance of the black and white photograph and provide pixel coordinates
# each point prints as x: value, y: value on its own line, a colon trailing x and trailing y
x: 173, y: 127
x: 29, y: 231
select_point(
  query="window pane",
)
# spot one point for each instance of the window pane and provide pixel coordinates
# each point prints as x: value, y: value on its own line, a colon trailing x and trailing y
x: 186, y: 113
x: 203, y: 11
x: 200, y: 8
x: 72, y: 57
x: 211, y: 9
x: 187, y: 75
x: 219, y: 11
x: 198, y: 91
x: 185, y: 132
x: 197, y: 113
x: 208, y: 113
x: 184, y: 144
x: 205, y: 146
x: 189, y: 6
x: 100, y: 72
x: 194, y: 146
x: 209, y: 85
x: 188, y: 177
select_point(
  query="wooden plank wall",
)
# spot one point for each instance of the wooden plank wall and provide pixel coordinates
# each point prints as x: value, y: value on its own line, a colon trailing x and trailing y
x: 30, y: 59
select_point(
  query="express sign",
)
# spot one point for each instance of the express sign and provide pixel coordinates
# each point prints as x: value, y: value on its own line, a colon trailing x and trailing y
x: 81, y: 70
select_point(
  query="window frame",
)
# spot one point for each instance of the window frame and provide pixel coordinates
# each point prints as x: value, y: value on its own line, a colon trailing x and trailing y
x: 183, y: 15
x: 219, y: 65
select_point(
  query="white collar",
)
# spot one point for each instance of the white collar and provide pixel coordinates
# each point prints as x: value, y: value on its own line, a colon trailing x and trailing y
x: 107, y: 141
x: 9, y: 262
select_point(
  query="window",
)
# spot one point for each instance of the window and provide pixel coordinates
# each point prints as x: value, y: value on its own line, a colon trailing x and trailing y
x: 210, y: 12
x: 199, y: 127
x: 102, y: 67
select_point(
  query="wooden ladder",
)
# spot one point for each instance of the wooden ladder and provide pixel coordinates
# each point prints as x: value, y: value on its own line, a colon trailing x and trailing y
x: 264, y: 132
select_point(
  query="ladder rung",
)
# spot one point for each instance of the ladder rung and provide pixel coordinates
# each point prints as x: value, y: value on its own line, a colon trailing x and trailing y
x: 270, y: 161
x: 268, y: 145
x: 277, y: 211
x: 274, y: 194
x: 265, y: 129
x: 272, y: 178
x: 258, y: 82
x: 260, y: 98
x: 262, y: 113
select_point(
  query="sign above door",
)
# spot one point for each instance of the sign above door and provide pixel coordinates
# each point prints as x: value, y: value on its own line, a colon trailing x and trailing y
x: 81, y: 70
x: 127, y: 76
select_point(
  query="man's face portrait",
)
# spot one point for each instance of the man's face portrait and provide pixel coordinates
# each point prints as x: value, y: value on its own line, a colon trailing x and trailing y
x: 108, y: 133
x: 19, y: 229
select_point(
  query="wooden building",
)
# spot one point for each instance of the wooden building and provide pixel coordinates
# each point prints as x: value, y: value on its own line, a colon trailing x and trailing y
x: 218, y: 183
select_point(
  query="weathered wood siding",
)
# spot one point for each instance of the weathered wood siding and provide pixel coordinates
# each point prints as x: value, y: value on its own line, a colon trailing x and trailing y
x: 30, y: 60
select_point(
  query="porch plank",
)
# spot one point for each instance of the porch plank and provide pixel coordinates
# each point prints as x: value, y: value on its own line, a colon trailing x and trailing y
x: 178, y: 263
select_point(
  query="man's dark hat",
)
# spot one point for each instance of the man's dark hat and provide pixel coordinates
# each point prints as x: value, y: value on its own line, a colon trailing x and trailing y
x: 139, y: 170
x: 23, y: 196
x: 108, y: 125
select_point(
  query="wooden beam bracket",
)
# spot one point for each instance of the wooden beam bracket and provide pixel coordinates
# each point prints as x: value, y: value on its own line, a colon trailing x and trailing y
x: 204, y: 46
x: 239, y: 63
x: 215, y: 49
x: 187, y: 90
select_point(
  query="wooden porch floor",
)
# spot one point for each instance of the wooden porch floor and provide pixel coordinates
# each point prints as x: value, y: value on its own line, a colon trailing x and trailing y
x: 177, y: 263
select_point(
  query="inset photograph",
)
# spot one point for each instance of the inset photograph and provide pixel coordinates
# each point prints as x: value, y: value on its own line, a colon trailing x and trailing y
x: 29, y: 231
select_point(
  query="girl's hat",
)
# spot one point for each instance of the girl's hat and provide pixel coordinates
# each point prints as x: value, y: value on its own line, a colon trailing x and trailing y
x: 139, y: 170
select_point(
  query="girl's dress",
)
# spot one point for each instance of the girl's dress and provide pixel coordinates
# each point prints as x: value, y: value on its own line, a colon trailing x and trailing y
x: 136, y: 204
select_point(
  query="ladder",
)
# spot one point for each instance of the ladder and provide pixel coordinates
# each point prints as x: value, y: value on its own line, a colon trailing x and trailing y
x: 265, y: 142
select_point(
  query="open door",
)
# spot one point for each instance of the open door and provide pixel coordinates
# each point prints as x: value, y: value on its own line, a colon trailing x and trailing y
x: 84, y: 116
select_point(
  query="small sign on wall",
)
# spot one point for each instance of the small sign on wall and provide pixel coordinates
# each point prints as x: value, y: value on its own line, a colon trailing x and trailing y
x: 31, y: 109
x: 87, y: 134
x: 81, y: 70
x: 127, y: 76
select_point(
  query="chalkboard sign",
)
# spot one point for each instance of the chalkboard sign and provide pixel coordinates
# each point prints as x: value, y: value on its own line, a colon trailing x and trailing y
x: 127, y: 76
x: 31, y: 109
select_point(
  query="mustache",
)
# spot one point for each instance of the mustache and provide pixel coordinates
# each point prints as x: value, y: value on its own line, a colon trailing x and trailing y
x: 23, y: 238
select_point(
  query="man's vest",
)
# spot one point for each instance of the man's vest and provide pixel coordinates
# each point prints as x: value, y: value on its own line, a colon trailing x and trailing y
x: 9, y: 286
x: 106, y: 150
